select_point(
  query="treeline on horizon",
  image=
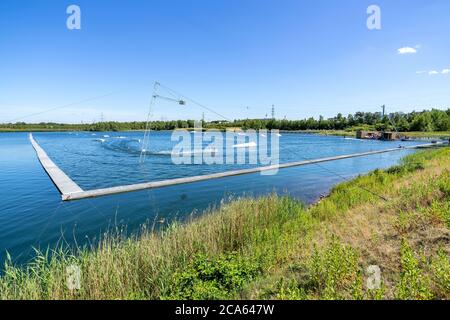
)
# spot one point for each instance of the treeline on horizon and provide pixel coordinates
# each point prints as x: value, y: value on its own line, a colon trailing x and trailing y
x: 425, y: 121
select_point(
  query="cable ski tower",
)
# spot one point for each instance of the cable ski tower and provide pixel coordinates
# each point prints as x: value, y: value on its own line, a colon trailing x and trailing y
x: 172, y: 96
x: 155, y: 96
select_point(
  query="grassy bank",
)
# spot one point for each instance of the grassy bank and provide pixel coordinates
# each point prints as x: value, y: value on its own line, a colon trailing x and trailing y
x: 413, y: 134
x: 274, y: 247
x: 441, y: 135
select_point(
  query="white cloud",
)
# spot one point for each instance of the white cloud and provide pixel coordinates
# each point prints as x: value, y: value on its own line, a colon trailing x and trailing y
x: 407, y: 50
x: 434, y: 72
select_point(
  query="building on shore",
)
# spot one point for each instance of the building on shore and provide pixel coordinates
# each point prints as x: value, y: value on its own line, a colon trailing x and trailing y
x: 377, y: 135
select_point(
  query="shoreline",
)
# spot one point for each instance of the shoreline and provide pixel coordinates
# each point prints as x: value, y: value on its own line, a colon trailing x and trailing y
x: 414, y: 135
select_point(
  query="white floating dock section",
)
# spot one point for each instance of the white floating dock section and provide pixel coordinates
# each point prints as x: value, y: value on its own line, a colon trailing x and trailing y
x: 64, y: 184
x: 71, y: 191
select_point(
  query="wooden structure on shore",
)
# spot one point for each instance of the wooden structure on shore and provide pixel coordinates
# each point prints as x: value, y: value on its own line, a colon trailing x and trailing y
x: 377, y: 135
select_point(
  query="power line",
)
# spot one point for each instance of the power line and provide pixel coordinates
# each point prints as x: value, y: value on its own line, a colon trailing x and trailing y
x: 62, y: 106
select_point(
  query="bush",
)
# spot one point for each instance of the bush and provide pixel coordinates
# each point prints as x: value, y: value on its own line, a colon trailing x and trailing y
x: 213, y: 278
x: 413, y: 285
x: 406, y: 167
x: 440, y: 267
x: 335, y: 272
x: 290, y: 290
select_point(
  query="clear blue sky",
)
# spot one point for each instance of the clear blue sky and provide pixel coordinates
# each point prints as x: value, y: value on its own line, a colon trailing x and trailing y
x: 309, y: 58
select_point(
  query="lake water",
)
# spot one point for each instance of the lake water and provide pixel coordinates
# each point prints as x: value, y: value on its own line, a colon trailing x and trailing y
x: 33, y: 215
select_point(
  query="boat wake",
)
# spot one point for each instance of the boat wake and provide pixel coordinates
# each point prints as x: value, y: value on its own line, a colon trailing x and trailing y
x: 134, y: 146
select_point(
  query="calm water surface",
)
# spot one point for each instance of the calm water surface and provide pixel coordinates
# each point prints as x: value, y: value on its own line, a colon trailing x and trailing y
x: 33, y: 215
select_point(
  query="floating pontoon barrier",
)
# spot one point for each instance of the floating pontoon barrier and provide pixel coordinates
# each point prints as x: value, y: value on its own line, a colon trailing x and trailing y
x: 71, y: 191
x: 64, y: 184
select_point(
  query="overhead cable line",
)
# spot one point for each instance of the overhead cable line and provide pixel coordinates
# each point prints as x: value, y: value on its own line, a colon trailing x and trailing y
x: 63, y: 106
